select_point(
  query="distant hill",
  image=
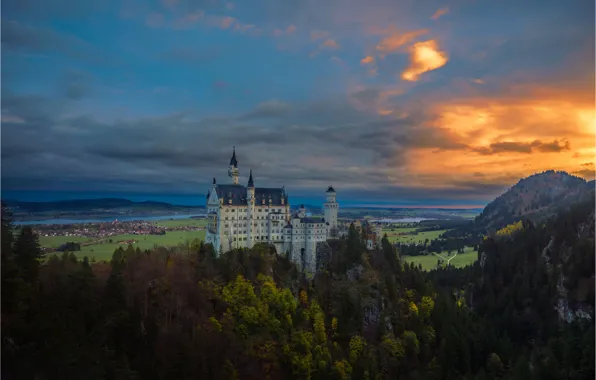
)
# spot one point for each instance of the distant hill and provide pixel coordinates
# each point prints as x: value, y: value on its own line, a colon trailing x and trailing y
x: 535, y: 197
x: 89, y: 204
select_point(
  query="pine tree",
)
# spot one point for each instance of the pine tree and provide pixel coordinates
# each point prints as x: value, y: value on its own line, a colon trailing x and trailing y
x: 9, y: 269
x: 353, y: 246
x: 27, y: 254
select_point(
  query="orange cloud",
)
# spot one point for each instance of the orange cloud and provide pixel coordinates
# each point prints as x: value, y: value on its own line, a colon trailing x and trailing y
x: 478, y: 81
x: 222, y: 22
x: 395, y: 40
x: 279, y: 32
x: 439, y: 13
x: 506, y: 138
x: 424, y: 56
x: 329, y: 45
x: 368, y: 60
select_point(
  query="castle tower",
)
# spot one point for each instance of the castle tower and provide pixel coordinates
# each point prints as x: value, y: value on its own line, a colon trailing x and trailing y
x: 302, y: 212
x: 233, y: 170
x: 250, y: 200
x: 331, y: 208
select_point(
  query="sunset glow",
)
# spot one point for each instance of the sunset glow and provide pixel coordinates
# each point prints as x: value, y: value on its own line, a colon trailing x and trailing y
x: 388, y: 100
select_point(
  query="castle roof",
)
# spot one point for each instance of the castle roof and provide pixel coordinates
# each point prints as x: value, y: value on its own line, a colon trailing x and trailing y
x: 250, y: 181
x: 238, y: 195
x: 312, y: 220
x: 234, y: 161
x: 330, y: 190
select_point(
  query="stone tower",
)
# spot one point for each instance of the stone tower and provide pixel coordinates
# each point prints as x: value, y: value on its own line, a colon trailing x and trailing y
x: 250, y: 203
x: 331, y: 208
x: 233, y: 170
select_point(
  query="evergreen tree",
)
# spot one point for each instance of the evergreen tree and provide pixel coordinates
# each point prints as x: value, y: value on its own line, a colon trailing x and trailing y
x: 28, y: 254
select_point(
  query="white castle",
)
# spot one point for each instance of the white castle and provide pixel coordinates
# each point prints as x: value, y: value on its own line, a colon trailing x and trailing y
x: 242, y: 216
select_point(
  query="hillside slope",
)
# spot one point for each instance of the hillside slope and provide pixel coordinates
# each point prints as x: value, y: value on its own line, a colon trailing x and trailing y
x: 536, y: 197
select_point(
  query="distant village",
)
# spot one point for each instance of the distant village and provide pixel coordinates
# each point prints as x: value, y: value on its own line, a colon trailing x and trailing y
x: 108, y: 229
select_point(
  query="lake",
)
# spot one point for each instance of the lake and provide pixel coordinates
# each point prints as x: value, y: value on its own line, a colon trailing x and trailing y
x: 105, y: 219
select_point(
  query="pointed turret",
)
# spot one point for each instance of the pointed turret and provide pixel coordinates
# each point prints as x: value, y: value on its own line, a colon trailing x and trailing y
x: 214, y: 180
x: 234, y: 161
x: 250, y: 180
x: 233, y: 171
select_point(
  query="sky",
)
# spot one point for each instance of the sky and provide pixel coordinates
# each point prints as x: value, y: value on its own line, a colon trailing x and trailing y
x: 393, y: 102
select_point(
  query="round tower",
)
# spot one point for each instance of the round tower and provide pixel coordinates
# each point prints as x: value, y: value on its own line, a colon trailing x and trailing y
x: 250, y: 203
x: 331, y: 207
x: 233, y: 172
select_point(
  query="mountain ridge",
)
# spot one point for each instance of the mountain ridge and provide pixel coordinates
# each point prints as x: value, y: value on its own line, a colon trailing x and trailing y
x: 535, y: 198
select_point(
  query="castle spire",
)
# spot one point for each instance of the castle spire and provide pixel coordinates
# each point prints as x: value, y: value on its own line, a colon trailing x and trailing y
x: 250, y: 180
x: 234, y: 161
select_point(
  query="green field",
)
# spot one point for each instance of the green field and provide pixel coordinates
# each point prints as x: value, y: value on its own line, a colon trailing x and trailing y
x: 57, y: 241
x: 429, y: 262
x: 103, y: 250
x: 394, y: 236
x: 182, y: 223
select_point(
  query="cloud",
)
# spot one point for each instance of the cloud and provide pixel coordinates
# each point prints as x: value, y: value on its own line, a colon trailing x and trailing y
x: 424, y: 56
x: 280, y: 32
x: 77, y: 85
x: 21, y: 38
x: 439, y: 13
x: 368, y: 60
x: 329, y: 45
x: 395, y: 40
x: 555, y: 146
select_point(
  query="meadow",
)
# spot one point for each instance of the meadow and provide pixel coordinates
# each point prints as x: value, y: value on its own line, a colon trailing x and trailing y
x: 182, y: 223
x: 395, y: 235
x: 103, y: 249
x: 429, y: 262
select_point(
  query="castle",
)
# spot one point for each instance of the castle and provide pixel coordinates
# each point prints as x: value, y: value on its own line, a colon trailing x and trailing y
x: 242, y: 216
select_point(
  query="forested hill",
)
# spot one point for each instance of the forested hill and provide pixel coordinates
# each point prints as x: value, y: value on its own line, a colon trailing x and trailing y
x: 534, y: 283
x: 536, y: 197
x: 183, y: 313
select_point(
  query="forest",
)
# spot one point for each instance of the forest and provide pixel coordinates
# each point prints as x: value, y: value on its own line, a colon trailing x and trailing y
x: 184, y: 313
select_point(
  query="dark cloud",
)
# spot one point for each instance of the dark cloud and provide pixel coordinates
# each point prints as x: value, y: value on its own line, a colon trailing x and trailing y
x: 177, y: 154
x: 586, y: 173
x: 23, y: 38
x: 77, y: 85
x: 523, y: 147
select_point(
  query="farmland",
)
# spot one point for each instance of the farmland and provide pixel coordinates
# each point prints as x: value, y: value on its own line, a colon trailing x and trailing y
x: 103, y: 248
x: 429, y: 261
x: 409, y: 235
